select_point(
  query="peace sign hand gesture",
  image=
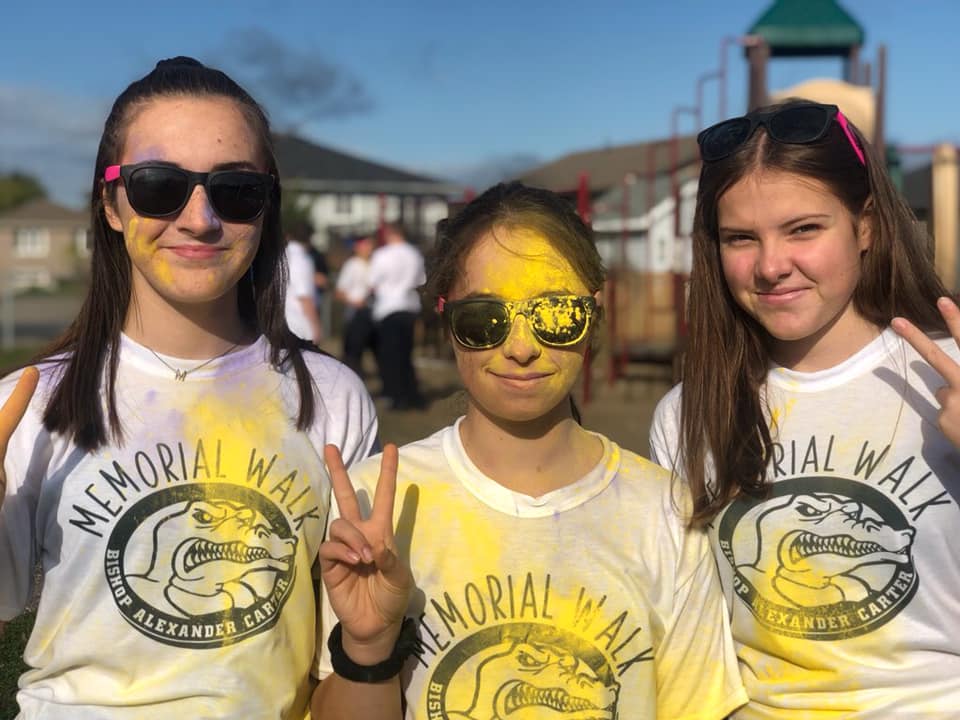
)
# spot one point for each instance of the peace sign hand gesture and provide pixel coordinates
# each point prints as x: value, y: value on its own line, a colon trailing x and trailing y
x: 367, y: 583
x: 949, y: 395
x: 11, y: 414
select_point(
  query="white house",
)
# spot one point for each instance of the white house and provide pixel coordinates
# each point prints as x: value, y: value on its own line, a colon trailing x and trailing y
x: 348, y: 196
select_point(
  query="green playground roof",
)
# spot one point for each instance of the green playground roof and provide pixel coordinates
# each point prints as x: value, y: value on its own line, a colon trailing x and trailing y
x: 808, y: 27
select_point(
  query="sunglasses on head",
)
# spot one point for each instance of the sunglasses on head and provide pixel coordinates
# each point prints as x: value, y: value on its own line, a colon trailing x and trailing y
x: 482, y: 323
x: 799, y: 124
x: 157, y: 190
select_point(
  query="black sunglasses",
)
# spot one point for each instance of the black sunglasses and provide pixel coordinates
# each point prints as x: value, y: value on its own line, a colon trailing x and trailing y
x: 482, y: 323
x: 156, y: 190
x: 800, y: 124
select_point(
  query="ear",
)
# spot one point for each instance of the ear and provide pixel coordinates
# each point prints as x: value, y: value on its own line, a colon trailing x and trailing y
x: 864, y: 226
x: 110, y: 209
x: 598, y: 296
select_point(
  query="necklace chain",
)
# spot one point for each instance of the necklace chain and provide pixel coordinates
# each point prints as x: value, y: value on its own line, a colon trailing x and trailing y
x: 180, y: 374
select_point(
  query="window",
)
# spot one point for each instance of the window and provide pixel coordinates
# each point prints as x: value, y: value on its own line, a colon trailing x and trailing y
x: 31, y: 243
x: 81, y: 243
x: 344, y: 204
x: 24, y: 279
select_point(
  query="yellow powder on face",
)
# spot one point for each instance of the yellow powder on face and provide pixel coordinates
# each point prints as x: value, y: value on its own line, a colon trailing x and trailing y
x: 526, y: 266
x: 143, y: 254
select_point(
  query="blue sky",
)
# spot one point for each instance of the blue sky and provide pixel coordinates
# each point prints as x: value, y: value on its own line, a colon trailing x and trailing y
x: 445, y: 88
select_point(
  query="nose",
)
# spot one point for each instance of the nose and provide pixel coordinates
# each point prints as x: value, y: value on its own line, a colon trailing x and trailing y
x: 198, y: 216
x: 521, y: 345
x: 773, y: 262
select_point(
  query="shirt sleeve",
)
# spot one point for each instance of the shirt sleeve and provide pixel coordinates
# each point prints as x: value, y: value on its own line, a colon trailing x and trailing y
x: 697, y: 673
x: 17, y: 516
x: 665, y: 430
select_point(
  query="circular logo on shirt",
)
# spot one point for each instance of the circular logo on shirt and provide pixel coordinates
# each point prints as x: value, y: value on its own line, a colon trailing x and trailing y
x: 821, y: 558
x: 201, y: 565
x: 523, y: 671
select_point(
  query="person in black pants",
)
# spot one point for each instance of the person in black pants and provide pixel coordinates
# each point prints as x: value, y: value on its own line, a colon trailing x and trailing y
x: 396, y: 273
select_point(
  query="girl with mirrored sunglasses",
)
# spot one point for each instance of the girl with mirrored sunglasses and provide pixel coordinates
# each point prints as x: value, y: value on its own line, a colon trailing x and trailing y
x: 167, y: 474
x: 554, y: 573
x: 816, y: 421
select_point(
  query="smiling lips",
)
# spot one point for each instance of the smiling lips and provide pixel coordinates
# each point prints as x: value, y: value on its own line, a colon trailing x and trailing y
x: 780, y: 296
x: 196, y: 252
x: 521, y: 380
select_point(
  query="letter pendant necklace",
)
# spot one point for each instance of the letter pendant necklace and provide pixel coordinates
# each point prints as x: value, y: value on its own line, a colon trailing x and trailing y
x: 180, y: 374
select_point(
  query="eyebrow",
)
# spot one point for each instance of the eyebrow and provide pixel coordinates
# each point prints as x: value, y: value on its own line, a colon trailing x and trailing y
x: 785, y: 224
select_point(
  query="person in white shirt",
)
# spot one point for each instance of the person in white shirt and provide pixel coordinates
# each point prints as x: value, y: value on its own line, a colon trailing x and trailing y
x: 353, y: 290
x: 817, y: 422
x: 554, y: 573
x: 396, y: 273
x: 300, y: 303
x: 162, y: 462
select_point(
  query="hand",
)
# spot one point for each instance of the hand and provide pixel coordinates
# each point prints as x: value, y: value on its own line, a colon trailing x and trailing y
x: 949, y: 395
x: 367, y: 583
x: 12, y: 413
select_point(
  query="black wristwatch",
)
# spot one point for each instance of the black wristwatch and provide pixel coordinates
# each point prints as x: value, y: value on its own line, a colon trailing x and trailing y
x: 349, y: 670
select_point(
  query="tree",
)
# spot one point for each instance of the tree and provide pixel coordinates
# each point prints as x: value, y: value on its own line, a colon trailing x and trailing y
x: 17, y: 188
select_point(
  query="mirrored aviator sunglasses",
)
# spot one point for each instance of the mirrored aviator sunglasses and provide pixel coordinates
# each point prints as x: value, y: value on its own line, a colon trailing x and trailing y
x: 157, y: 190
x: 799, y: 124
x: 555, y: 320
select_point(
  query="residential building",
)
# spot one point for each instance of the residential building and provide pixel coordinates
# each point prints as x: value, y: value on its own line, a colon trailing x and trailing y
x: 42, y: 244
x: 347, y: 195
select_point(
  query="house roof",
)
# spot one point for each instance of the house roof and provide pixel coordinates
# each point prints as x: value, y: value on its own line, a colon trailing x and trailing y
x: 607, y: 167
x: 41, y: 210
x: 307, y: 166
x: 808, y: 27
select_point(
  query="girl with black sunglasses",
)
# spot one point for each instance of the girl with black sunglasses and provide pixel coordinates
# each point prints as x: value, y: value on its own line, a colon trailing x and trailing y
x: 821, y: 455
x: 166, y: 475
x: 553, y: 573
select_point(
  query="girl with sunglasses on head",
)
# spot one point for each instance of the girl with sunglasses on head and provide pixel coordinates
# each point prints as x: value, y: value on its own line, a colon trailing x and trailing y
x: 809, y: 425
x: 553, y: 573
x: 167, y: 474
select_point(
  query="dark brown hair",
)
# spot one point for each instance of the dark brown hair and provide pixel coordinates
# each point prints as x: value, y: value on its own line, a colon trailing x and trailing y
x: 513, y: 206
x: 723, y: 426
x: 92, y: 342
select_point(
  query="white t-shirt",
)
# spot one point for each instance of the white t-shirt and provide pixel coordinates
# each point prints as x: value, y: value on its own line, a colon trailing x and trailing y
x: 353, y: 280
x: 396, y: 271
x: 300, y: 285
x: 592, y: 600
x: 844, y: 583
x: 177, y: 567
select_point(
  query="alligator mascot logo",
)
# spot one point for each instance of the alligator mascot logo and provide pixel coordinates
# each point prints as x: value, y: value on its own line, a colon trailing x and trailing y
x: 524, y: 671
x: 820, y: 558
x: 201, y: 555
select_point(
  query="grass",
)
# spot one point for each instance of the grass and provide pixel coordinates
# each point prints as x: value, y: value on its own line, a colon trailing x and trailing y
x: 12, y: 666
x: 16, y: 356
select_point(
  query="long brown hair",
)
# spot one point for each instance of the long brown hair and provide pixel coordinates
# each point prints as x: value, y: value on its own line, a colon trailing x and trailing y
x: 92, y: 343
x: 725, y: 439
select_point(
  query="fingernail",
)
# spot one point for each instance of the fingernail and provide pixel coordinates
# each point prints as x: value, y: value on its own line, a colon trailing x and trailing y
x: 353, y: 557
x: 367, y: 555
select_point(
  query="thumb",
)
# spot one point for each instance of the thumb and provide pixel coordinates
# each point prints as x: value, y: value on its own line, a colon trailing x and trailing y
x: 13, y: 410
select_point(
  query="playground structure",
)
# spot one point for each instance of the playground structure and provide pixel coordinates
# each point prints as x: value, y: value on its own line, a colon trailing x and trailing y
x: 643, y: 217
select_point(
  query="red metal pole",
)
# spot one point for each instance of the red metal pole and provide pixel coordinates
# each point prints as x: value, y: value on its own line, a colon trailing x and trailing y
x: 628, y: 181
x: 584, y: 209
